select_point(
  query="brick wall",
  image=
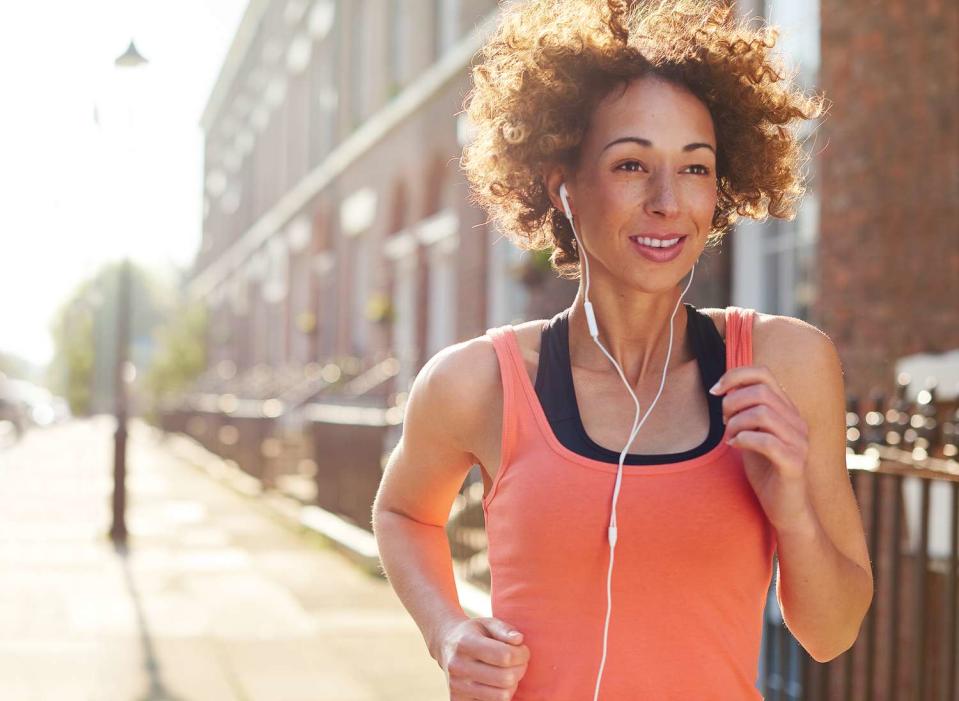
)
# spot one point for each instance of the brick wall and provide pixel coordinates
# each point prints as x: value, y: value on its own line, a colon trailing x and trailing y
x: 889, y: 242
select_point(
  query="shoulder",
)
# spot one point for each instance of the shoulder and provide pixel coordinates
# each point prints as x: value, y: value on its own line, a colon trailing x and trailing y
x: 473, y: 365
x: 781, y: 341
x: 795, y: 351
x: 462, y: 374
x: 787, y: 341
x: 718, y: 317
x: 466, y: 383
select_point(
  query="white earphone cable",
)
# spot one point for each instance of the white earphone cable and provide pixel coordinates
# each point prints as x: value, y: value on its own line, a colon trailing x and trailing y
x: 594, y: 332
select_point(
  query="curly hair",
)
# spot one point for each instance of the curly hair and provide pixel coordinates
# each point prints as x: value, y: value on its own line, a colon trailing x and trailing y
x: 547, y: 66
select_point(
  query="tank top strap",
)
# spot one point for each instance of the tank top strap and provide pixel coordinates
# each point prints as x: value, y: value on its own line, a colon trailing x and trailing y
x: 739, y: 336
x: 510, y: 364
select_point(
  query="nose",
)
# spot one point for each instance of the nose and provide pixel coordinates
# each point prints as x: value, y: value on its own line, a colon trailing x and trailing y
x: 662, y: 196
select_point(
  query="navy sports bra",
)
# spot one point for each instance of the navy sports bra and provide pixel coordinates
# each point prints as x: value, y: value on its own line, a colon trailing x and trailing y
x: 554, y: 387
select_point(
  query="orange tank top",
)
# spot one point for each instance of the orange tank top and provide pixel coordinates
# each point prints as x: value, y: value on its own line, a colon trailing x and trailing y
x: 692, y: 567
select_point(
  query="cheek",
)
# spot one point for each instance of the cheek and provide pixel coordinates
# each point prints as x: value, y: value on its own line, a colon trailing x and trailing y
x: 702, y: 203
x: 602, y: 206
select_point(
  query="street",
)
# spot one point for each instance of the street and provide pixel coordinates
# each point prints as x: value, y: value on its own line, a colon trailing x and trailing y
x: 215, y: 600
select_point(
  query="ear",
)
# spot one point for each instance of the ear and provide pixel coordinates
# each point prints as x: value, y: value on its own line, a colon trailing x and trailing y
x: 554, y: 176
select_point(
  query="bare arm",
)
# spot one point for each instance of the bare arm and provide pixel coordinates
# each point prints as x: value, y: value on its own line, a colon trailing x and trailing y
x: 824, y: 584
x: 422, y: 478
x: 416, y: 558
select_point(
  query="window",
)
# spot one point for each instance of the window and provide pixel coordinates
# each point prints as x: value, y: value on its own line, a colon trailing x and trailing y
x: 358, y: 63
x: 447, y: 19
x: 774, y: 261
x: 323, y: 102
x: 406, y: 319
x: 788, y: 251
x: 441, y: 319
x: 400, y: 33
x: 799, y: 40
x: 506, y: 296
x: 361, y: 263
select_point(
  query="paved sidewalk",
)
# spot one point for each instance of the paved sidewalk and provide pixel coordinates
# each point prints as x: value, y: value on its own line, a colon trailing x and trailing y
x: 215, y: 601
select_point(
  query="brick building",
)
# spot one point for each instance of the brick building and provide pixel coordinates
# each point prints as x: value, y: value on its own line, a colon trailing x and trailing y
x: 888, y: 256
x: 332, y: 185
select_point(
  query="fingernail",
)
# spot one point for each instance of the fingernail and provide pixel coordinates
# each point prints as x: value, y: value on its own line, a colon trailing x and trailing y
x: 514, y: 634
x: 714, y: 389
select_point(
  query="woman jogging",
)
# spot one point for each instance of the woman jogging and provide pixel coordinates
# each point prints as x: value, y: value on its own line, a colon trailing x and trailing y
x: 643, y: 459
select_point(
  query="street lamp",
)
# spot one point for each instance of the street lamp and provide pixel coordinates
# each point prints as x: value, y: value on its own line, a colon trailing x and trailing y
x: 130, y: 59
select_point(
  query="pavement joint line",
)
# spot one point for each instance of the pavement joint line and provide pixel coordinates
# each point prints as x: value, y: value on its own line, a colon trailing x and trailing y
x: 357, y: 544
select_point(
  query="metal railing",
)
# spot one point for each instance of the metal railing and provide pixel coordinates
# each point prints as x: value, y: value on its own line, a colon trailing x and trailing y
x: 902, y: 462
x: 316, y: 432
x: 907, y: 644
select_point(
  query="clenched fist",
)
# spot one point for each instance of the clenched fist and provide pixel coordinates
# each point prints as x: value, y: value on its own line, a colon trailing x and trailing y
x: 481, y: 660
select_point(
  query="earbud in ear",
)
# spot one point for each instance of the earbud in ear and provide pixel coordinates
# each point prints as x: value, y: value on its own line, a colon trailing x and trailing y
x: 562, y: 196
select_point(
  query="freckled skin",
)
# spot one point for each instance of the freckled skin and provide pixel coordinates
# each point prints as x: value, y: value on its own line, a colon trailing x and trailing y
x: 629, y: 188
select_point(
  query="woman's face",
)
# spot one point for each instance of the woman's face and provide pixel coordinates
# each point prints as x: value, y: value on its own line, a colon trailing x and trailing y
x: 647, y: 166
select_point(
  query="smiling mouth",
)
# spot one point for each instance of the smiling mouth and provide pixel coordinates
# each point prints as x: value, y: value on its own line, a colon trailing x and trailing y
x: 651, y: 242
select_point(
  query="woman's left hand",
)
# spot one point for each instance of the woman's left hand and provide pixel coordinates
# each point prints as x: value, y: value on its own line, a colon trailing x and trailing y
x: 763, y: 422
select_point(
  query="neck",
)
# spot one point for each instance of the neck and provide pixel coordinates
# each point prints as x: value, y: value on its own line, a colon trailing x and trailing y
x: 634, y: 330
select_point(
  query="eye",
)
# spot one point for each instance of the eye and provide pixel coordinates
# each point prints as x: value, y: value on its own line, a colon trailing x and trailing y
x: 704, y: 170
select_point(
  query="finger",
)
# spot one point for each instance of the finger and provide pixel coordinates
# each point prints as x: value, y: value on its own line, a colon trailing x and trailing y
x: 500, y: 677
x: 496, y: 653
x: 467, y: 689
x: 766, y: 403
x: 501, y: 629
x: 749, y: 374
x: 762, y: 418
x: 738, y: 400
x: 766, y: 444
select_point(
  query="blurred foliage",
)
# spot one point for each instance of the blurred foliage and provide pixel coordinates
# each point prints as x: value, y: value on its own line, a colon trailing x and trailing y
x: 84, y: 335
x: 71, y: 370
x: 379, y: 308
x: 534, y: 267
x: 180, y: 351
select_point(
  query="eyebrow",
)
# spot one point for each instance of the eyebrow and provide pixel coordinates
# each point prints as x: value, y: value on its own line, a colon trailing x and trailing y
x: 646, y: 142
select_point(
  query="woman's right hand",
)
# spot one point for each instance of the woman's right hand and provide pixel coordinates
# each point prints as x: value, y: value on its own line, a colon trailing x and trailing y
x: 481, y: 660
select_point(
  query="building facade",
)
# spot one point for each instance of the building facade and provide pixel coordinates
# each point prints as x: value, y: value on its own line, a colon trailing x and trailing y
x: 888, y: 258
x: 335, y: 216
x: 336, y: 221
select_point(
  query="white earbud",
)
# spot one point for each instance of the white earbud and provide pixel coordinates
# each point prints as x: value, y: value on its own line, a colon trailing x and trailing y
x: 562, y: 196
x: 587, y: 305
x: 594, y: 332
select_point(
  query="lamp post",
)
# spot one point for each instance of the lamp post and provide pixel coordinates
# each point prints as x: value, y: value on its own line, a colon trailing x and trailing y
x: 130, y: 59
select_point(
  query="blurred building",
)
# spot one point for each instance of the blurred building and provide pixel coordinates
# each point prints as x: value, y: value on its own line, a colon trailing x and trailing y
x: 872, y: 257
x: 337, y: 228
x: 888, y: 257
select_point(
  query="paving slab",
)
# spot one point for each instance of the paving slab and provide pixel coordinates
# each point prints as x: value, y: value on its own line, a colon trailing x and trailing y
x: 213, y: 600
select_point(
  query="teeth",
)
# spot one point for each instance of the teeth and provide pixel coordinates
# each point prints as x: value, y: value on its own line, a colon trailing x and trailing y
x: 655, y: 243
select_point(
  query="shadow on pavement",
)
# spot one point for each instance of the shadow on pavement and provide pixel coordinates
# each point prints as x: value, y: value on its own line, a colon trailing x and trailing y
x: 156, y: 690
